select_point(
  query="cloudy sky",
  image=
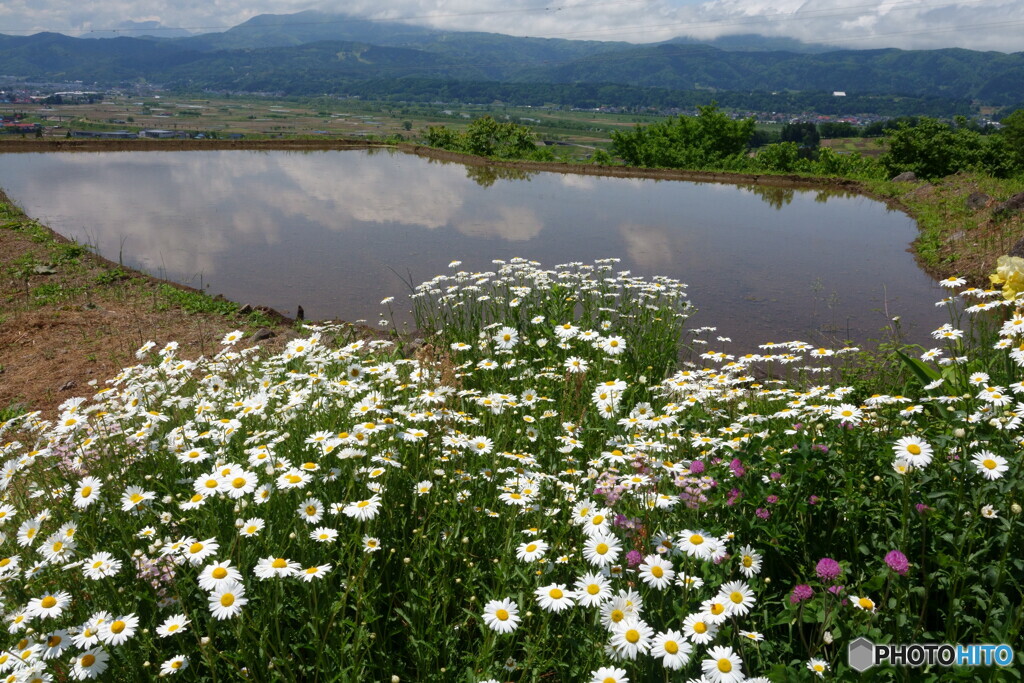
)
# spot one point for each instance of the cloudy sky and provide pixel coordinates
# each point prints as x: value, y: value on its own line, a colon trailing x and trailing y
x: 853, y: 24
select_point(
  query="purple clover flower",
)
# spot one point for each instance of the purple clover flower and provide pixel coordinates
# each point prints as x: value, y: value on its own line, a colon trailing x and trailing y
x: 737, y: 467
x: 897, y: 562
x: 828, y: 569
x: 800, y: 593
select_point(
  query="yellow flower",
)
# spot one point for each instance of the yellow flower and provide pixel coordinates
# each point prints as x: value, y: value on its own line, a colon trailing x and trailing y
x: 1010, y: 274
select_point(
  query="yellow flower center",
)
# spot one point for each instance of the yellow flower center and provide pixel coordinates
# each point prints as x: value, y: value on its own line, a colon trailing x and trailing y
x: 219, y: 573
x: 117, y: 626
x: 58, y: 546
x: 238, y: 482
x: 914, y: 449
x: 989, y: 463
x: 173, y: 627
x: 195, y: 548
x: 696, y: 539
x: 748, y: 561
x: 137, y: 497
x: 593, y: 589
x: 601, y: 548
x: 632, y: 635
x: 176, y: 664
x: 293, y: 478
x: 700, y: 627
x: 598, y: 520
x: 671, y: 647
x: 502, y: 615
x: 87, y: 661
x: 48, y: 602
x: 657, y: 572
x: 717, y: 608
x: 86, y: 492
x: 530, y: 548
x: 618, y: 615
x: 54, y: 641
x: 736, y: 597
x: 555, y: 594
x: 362, y: 503
x: 724, y: 665
x: 279, y: 563
x: 227, y: 599
x: 866, y: 603
x: 311, y: 510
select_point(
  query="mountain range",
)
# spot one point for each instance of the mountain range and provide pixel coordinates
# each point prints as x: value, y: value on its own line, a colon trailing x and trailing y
x: 312, y: 53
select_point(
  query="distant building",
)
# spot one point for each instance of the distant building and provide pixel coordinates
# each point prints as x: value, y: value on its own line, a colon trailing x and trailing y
x: 105, y: 134
x: 21, y: 128
x: 161, y: 134
x: 838, y: 93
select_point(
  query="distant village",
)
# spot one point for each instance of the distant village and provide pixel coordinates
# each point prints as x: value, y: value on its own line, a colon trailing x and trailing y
x: 54, y: 95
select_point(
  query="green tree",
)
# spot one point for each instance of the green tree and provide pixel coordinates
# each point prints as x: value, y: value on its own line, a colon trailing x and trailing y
x: 803, y: 133
x: 932, y: 149
x: 709, y: 140
x: 837, y: 129
x: 783, y: 157
x: 487, y: 138
x: 1012, y: 134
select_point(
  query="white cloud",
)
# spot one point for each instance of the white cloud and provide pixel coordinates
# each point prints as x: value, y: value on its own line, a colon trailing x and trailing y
x: 854, y: 24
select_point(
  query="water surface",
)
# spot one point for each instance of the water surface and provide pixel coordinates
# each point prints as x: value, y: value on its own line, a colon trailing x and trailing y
x: 337, y: 231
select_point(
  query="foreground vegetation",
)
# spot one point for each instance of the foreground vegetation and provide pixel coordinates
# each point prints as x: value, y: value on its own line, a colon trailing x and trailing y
x: 539, y: 492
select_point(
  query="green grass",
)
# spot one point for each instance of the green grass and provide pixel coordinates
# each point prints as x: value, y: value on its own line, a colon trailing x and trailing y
x: 194, y: 302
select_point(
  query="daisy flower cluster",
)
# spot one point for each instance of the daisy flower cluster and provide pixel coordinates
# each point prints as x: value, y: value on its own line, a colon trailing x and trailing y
x: 542, y: 488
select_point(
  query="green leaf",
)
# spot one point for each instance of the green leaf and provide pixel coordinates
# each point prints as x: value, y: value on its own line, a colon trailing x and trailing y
x: 925, y: 374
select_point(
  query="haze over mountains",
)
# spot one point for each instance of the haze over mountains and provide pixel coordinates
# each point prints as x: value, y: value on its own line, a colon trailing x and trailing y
x: 317, y: 53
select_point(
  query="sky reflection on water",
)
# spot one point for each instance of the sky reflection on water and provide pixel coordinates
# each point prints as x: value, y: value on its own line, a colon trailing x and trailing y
x: 337, y: 231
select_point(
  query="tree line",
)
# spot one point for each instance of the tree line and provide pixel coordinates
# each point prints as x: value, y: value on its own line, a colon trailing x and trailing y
x: 712, y: 140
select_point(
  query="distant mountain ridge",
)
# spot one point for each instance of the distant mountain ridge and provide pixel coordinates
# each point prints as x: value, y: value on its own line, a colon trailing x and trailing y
x: 316, y: 53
